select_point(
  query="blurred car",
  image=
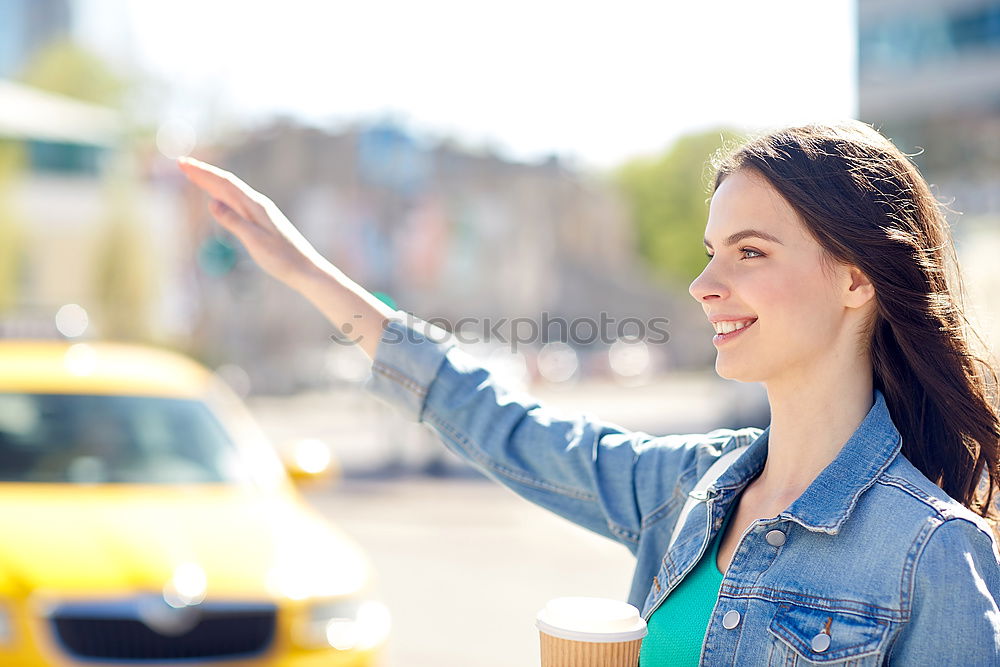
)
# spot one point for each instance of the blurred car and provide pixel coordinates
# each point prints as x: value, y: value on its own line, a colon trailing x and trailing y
x: 146, y: 519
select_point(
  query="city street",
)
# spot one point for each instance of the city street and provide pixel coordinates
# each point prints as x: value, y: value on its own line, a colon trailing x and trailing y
x: 197, y: 223
x: 465, y: 565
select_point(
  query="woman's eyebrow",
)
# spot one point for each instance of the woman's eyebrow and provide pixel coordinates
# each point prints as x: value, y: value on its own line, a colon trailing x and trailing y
x: 733, y: 239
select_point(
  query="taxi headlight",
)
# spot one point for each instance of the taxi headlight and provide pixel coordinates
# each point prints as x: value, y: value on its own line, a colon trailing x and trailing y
x: 347, y: 624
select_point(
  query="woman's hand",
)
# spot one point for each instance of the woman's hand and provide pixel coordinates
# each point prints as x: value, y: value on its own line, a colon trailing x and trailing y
x: 270, y: 238
x: 279, y: 248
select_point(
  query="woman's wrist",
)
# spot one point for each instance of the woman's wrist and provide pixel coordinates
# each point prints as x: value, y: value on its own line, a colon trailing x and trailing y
x: 327, y: 287
x: 344, y: 302
x: 310, y: 276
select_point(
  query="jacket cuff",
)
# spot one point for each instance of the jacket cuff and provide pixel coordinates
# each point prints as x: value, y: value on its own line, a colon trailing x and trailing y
x: 407, y: 359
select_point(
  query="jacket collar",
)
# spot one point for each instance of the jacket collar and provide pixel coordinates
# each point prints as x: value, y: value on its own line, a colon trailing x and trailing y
x: 826, y: 504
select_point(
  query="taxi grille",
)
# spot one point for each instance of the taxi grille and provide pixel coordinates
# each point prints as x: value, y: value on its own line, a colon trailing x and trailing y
x: 222, y: 633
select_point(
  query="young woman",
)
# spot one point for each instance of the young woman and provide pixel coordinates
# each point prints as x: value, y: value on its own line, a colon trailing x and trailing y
x: 859, y: 527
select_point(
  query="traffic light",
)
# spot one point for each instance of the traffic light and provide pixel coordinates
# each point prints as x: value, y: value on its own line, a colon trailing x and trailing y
x: 217, y: 256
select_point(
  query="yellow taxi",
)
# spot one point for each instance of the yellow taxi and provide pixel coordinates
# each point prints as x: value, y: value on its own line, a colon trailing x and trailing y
x: 145, y: 519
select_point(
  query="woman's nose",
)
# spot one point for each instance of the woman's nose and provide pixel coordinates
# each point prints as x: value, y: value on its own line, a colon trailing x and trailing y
x: 707, y: 286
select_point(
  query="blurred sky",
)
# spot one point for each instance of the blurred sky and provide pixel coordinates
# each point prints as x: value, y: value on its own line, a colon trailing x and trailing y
x: 595, y: 82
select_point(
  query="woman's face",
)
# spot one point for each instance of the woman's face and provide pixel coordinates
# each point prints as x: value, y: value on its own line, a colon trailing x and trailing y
x: 776, y: 281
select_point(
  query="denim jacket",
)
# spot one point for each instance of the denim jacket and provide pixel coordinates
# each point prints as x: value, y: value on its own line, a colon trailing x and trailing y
x: 873, y: 564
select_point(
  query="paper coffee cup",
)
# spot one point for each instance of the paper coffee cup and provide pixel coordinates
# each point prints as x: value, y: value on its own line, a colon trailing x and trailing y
x: 590, y: 632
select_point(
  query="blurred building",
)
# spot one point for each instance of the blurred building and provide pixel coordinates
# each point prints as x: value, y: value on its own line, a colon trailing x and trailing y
x: 84, y: 218
x: 51, y: 199
x: 28, y: 25
x: 443, y: 231
x: 929, y: 78
x: 79, y: 220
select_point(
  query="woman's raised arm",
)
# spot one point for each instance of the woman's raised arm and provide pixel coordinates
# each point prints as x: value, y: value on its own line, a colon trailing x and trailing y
x: 613, y: 481
x: 279, y: 249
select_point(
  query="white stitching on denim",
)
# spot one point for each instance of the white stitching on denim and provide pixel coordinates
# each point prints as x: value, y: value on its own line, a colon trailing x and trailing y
x: 662, y: 511
x: 400, y: 378
x: 781, y: 595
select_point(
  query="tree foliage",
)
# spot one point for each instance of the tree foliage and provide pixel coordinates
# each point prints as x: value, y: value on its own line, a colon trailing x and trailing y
x: 668, y: 196
x: 12, y: 243
x: 123, y: 270
x: 67, y: 68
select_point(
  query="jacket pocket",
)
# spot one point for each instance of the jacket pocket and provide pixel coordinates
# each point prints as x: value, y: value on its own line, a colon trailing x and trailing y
x: 807, y: 636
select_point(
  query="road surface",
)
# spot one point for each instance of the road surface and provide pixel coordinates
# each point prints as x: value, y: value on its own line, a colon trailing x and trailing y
x: 465, y: 565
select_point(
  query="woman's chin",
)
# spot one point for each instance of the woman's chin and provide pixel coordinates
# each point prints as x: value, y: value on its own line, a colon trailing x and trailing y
x: 728, y: 371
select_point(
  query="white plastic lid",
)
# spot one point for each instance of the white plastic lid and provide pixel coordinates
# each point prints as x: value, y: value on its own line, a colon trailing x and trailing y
x: 591, y: 620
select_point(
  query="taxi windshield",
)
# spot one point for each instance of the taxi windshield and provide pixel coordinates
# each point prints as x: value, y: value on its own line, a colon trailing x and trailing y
x: 97, y: 439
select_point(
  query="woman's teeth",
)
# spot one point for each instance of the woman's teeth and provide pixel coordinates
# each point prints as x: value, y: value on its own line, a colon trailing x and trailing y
x: 729, y: 327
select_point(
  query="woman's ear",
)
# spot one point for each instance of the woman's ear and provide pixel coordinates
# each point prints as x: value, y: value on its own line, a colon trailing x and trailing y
x: 859, y: 289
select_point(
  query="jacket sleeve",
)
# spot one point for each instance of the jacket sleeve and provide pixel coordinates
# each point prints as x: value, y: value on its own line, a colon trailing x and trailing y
x: 577, y: 466
x: 956, y: 586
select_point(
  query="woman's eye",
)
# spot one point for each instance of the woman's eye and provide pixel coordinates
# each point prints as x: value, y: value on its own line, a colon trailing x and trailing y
x: 756, y: 252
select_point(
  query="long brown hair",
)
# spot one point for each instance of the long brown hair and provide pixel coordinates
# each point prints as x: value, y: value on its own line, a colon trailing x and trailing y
x: 867, y: 205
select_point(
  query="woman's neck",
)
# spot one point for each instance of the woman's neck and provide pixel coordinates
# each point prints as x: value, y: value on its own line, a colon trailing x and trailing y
x: 811, y: 421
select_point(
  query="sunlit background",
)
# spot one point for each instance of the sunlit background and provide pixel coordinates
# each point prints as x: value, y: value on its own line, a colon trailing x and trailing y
x: 461, y: 160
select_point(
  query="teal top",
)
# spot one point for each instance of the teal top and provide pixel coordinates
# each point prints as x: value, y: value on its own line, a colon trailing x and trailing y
x: 677, y: 628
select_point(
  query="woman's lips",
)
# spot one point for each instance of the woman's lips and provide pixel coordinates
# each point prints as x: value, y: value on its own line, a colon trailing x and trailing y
x: 722, y: 338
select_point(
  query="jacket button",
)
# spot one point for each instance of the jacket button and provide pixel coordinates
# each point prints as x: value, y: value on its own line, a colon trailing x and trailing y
x: 820, y: 642
x: 775, y: 538
x: 731, y: 619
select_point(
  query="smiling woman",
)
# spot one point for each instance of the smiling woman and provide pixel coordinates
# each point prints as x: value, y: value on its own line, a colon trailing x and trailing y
x: 847, y: 284
x: 851, y: 204
x: 851, y: 530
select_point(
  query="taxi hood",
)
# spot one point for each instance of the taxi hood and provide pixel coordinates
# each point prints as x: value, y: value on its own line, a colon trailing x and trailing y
x: 108, y: 540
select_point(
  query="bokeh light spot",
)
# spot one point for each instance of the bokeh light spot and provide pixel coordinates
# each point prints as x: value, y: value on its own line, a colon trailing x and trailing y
x: 72, y: 320
x: 175, y: 138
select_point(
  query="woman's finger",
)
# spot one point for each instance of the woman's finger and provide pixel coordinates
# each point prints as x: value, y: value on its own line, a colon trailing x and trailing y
x: 226, y: 216
x: 249, y: 234
x: 222, y: 186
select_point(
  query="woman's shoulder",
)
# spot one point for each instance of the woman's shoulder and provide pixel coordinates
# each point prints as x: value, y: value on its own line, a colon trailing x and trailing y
x: 711, y: 445
x: 698, y: 451
x: 682, y: 459
x: 906, y: 493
